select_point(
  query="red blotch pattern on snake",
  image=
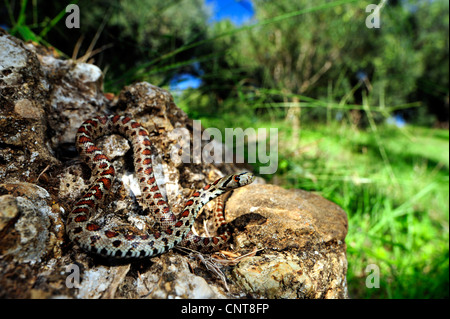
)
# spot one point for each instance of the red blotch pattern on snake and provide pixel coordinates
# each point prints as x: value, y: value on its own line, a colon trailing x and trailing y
x: 125, y: 242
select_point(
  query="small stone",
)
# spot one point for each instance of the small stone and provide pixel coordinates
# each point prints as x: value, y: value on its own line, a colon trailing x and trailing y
x: 8, y: 210
x: 28, y: 238
x: 27, y: 109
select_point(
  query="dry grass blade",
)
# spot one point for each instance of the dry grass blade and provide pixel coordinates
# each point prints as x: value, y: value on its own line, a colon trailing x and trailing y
x: 212, y: 266
x: 235, y: 257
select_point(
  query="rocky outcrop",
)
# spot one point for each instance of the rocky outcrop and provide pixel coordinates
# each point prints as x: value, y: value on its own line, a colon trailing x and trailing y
x: 286, y: 243
x: 305, y: 233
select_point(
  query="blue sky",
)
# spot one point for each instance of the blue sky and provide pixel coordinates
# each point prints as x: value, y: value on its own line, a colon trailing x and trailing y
x: 238, y: 11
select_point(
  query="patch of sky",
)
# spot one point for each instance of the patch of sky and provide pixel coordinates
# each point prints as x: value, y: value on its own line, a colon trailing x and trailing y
x: 238, y: 12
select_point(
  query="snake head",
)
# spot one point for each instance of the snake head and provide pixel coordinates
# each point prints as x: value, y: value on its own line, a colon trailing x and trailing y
x: 243, y: 179
x: 227, y: 183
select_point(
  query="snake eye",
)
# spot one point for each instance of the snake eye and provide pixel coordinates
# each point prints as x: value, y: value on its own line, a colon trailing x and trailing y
x: 236, y: 178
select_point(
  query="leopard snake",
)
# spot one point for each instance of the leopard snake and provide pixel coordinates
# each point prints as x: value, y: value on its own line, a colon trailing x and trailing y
x: 92, y: 234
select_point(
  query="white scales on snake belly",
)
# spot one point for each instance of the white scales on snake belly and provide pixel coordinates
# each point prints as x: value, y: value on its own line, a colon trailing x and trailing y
x: 125, y: 242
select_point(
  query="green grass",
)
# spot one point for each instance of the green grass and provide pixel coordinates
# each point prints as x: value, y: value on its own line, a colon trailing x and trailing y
x: 398, y: 215
x: 397, y: 204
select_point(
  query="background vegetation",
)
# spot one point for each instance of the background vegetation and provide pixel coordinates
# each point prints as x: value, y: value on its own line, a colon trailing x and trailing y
x: 362, y: 113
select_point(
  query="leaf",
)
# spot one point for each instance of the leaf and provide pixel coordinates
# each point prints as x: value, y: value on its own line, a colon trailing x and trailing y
x: 27, y: 34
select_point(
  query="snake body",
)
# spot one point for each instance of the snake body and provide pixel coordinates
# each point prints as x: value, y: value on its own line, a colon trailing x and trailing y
x: 92, y: 234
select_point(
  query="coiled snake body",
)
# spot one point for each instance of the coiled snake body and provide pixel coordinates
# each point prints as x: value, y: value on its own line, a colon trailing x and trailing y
x: 128, y: 242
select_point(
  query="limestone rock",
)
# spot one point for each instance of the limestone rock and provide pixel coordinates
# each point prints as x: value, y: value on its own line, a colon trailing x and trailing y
x: 302, y: 237
x: 24, y: 150
x: 284, y: 219
x: 31, y: 227
x: 286, y: 244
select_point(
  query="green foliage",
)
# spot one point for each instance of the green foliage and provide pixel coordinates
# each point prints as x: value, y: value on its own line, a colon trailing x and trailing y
x: 318, y: 49
x: 131, y: 40
x: 305, y: 48
x: 23, y: 28
x: 149, y: 32
x: 432, y: 41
